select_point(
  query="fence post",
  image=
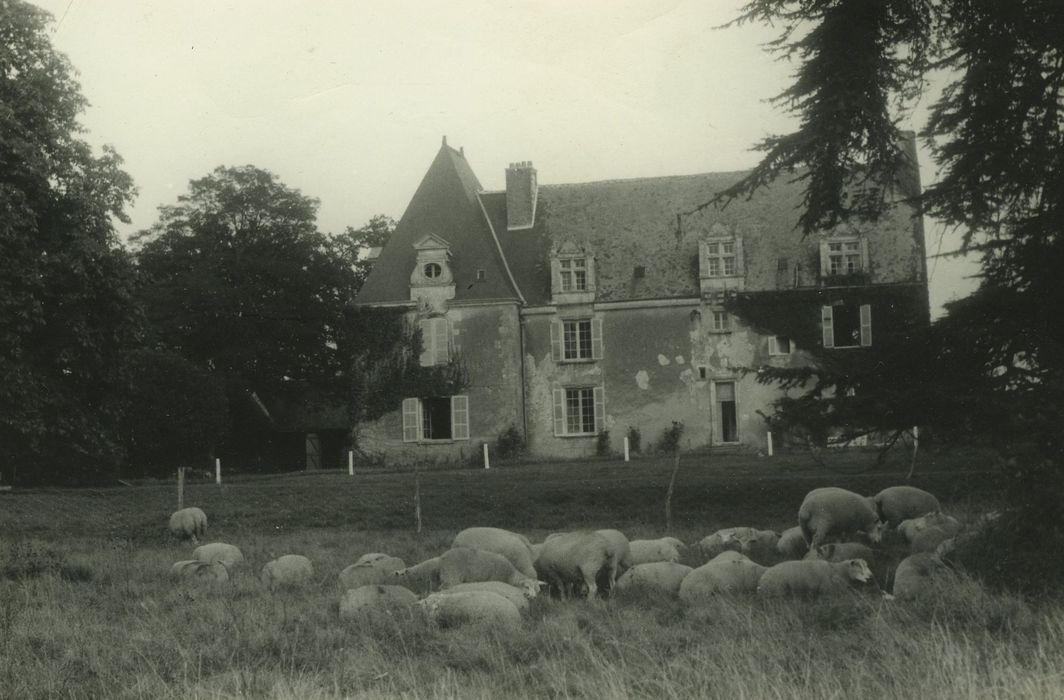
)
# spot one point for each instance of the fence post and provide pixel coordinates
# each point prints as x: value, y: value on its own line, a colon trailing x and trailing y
x: 350, y: 462
x: 180, y: 488
x: 487, y: 463
x: 218, y: 470
x: 769, y: 436
x: 626, y: 455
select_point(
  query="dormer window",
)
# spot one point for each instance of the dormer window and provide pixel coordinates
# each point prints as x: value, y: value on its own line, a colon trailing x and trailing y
x: 842, y: 256
x: 720, y: 260
x: 433, y: 270
x: 573, y: 274
x: 432, y: 280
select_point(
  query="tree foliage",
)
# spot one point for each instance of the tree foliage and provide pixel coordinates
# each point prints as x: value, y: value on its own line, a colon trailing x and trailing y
x: 355, y: 244
x: 67, y: 310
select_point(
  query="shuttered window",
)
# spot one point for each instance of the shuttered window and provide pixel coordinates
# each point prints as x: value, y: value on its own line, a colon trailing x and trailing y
x: 579, y: 410
x: 436, y: 418
x: 435, y: 341
x: 846, y: 326
x: 721, y: 257
x: 576, y: 340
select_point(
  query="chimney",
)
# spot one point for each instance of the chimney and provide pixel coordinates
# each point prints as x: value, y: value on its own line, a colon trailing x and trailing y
x: 521, y: 192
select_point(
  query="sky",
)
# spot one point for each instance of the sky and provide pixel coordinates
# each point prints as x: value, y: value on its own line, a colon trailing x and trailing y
x: 348, y: 101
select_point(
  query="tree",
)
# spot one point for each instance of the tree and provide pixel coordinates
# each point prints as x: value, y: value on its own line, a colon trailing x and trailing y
x: 355, y: 244
x: 996, y: 132
x: 67, y: 310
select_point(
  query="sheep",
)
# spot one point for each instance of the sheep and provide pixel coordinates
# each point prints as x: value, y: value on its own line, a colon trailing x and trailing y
x: 897, y: 503
x: 227, y: 554
x: 759, y: 545
x: 812, y: 578
x: 371, y: 570
x: 367, y: 601
x: 837, y: 551
x: 928, y: 540
x: 488, y: 608
x: 517, y: 596
x: 914, y: 575
x: 792, y: 544
x: 620, y: 553
x: 465, y: 565
x: 514, y: 547
x: 192, y: 568
x: 427, y: 571
x: 648, y: 551
x: 947, y: 523
x: 654, y: 578
x: 189, y: 524
x: 834, y: 512
x: 574, y: 558
x: 727, y: 573
x: 720, y: 541
x: 288, y: 571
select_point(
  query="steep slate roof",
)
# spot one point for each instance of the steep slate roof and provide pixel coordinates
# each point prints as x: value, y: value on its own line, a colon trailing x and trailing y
x: 446, y: 205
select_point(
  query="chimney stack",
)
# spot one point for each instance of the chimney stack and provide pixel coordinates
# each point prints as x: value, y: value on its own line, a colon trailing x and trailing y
x: 521, y: 193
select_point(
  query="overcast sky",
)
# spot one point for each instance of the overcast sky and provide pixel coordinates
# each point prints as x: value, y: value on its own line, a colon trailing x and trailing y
x: 348, y: 100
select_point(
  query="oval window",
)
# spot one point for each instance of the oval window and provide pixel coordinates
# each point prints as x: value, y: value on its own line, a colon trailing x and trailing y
x: 433, y: 270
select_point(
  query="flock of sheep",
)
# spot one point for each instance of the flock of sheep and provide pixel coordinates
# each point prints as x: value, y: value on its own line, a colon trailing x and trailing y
x: 894, y: 540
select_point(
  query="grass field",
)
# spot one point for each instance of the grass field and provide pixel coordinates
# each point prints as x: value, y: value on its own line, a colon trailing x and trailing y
x: 87, y: 607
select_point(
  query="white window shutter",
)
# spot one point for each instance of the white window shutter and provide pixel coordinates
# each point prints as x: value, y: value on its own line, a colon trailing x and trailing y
x: 590, y: 263
x: 866, y: 325
x: 427, y: 339
x: 703, y: 259
x: 411, y: 420
x: 555, y: 275
x: 596, y: 338
x: 739, y: 269
x: 864, y: 254
x: 600, y: 409
x: 773, y: 346
x: 441, y: 341
x: 827, y: 323
x: 556, y: 341
x: 825, y: 263
x: 459, y: 417
x: 559, y: 412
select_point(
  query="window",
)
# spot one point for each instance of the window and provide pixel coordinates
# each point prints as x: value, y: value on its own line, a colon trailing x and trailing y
x: 721, y: 257
x: 436, y: 418
x: 573, y: 274
x: 578, y: 410
x: 843, y: 256
x: 847, y: 326
x: 726, y: 403
x: 435, y: 341
x: 721, y: 321
x: 779, y: 345
x: 433, y: 270
x: 576, y: 340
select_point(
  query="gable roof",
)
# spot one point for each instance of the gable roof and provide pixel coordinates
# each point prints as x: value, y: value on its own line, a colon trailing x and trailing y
x: 445, y: 205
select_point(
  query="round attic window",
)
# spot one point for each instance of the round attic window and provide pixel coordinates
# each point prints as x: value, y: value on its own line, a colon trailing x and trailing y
x: 432, y: 270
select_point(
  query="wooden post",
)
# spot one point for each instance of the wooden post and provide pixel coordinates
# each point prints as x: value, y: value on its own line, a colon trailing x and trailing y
x: 417, y: 499
x: 769, y: 437
x: 350, y: 462
x: 668, y: 493
x: 487, y: 462
x: 916, y: 446
x: 626, y: 455
x: 180, y: 488
x: 218, y: 470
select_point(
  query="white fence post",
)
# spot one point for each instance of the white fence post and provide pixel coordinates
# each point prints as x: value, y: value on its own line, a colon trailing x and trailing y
x: 626, y: 455
x: 487, y: 463
x: 350, y: 462
x: 218, y: 470
x: 769, y: 436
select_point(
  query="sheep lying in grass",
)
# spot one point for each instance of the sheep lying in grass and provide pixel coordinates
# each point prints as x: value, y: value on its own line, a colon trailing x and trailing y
x: 897, y: 503
x: 928, y: 540
x: 189, y: 524
x: 812, y: 578
x: 517, y: 596
x: 727, y: 573
x: 571, y: 560
x: 288, y: 571
x: 465, y: 565
x: 482, y: 608
x: 914, y: 575
x: 946, y: 523
x: 200, y: 570
x: 426, y: 573
x: 371, y: 569
x: 792, y: 544
x: 834, y: 512
x: 227, y: 554
x: 369, y: 601
x: 838, y: 551
x: 653, y: 578
x: 664, y: 549
x: 511, y: 545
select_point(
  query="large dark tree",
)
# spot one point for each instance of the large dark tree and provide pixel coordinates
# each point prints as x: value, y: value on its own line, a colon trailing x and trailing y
x: 996, y: 133
x: 356, y: 244
x: 67, y: 315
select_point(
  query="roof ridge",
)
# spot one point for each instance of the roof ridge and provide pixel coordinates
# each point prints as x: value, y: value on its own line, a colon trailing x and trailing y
x: 643, y: 178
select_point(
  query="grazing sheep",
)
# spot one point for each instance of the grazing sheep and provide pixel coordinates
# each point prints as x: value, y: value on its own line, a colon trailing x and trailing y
x: 465, y: 565
x: 517, y: 596
x: 928, y: 540
x: 792, y: 544
x: 947, y: 523
x: 367, y: 601
x: 915, y: 573
x: 834, y: 512
x: 227, y: 554
x: 654, y: 578
x: 488, y: 608
x: 897, y: 503
x: 812, y: 578
x: 511, y: 545
x: 759, y: 545
x: 201, y: 570
x: 189, y: 524
x: 649, y: 551
x: 427, y: 571
x: 288, y: 571
x: 838, y: 551
x: 727, y: 573
x: 620, y: 553
x: 720, y: 541
x: 573, y: 559
x: 377, y: 569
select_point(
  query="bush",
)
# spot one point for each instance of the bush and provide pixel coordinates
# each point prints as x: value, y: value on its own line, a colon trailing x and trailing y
x: 510, y: 443
x: 602, y: 443
x: 635, y: 439
x: 670, y: 438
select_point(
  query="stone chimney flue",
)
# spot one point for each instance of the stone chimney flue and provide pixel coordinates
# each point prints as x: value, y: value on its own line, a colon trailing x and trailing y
x: 521, y: 193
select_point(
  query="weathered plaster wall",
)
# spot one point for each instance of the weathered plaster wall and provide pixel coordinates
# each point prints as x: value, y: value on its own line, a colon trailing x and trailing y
x: 488, y: 340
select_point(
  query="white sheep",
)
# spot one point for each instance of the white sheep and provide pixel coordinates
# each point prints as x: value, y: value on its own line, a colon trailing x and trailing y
x: 834, y: 512
x: 188, y: 524
x: 812, y: 578
x: 897, y: 503
x: 838, y: 551
x: 427, y: 571
x: 759, y: 545
x: 192, y: 568
x: 915, y: 573
x: 727, y: 573
x: 288, y: 571
x: 517, y: 596
x: 482, y: 608
x: 946, y: 523
x: 928, y: 540
x: 620, y: 553
x: 573, y: 559
x: 465, y: 565
x: 653, y: 578
x: 227, y: 554
x: 367, y: 601
x: 369, y: 570
x: 511, y: 545
x: 649, y: 551
x: 792, y: 544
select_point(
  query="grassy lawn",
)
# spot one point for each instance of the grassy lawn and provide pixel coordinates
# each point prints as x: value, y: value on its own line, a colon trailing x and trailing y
x: 88, y: 609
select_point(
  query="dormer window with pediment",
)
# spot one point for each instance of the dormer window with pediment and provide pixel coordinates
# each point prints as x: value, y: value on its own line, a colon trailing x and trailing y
x: 720, y: 260
x: 572, y: 275
x: 431, y: 280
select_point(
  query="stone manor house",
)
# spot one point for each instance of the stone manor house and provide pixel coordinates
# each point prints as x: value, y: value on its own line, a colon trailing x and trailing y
x: 600, y: 306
